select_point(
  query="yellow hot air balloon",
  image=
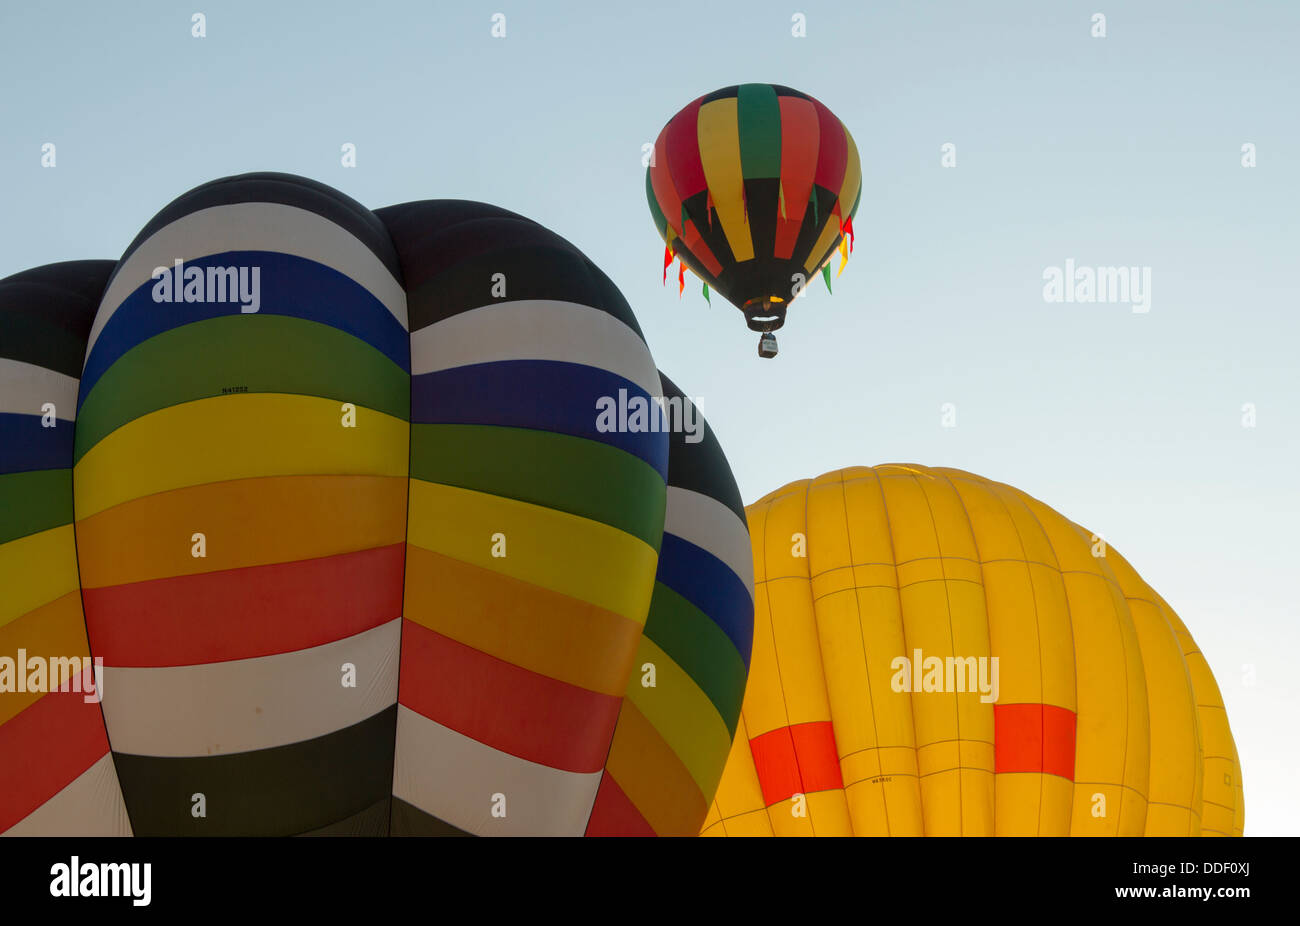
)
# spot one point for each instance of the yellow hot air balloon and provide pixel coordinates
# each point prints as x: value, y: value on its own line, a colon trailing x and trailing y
x: 938, y: 654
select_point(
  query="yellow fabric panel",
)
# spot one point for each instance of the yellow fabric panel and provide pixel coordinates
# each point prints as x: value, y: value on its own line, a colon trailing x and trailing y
x: 903, y: 558
x: 717, y: 128
x: 822, y: 813
x: 245, y: 522
x: 53, y: 631
x: 1112, y: 734
x: 683, y: 715
x: 1173, y: 798
x: 786, y: 678
x: 738, y: 808
x: 527, y: 626
x: 35, y: 570
x: 565, y: 553
x: 235, y: 437
x: 1221, y: 788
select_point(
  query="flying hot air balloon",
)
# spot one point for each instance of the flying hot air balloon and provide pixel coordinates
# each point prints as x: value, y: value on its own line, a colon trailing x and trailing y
x: 754, y: 188
x: 939, y: 654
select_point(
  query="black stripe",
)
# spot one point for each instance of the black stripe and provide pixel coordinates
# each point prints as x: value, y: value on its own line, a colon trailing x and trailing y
x: 451, y: 250
x: 373, y: 821
x: 280, y: 791
x: 763, y: 199
x: 724, y: 93
x: 288, y: 190
x: 46, y: 313
x: 409, y: 820
x: 701, y: 467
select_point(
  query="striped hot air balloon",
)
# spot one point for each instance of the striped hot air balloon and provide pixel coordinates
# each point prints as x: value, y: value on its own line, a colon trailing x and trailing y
x: 533, y: 530
x: 331, y: 597
x: 240, y: 479
x: 56, y: 774
x: 682, y: 702
x: 754, y: 187
x: 939, y: 654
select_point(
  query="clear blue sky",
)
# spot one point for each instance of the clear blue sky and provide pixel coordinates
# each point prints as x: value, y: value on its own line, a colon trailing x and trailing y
x: 1117, y: 151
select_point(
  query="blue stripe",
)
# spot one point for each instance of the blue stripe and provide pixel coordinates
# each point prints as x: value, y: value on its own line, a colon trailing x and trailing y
x: 26, y: 446
x: 543, y: 395
x: 290, y: 285
x: 709, y: 584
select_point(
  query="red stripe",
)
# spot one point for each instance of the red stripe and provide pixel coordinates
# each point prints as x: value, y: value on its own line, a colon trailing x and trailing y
x: 1034, y: 738
x: 682, y: 141
x: 44, y: 748
x: 503, y: 706
x: 247, y: 612
x: 614, y: 814
x: 799, y: 128
x: 832, y: 150
x: 797, y: 759
x: 662, y: 181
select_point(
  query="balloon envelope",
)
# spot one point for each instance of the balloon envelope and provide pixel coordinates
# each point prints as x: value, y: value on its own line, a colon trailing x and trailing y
x: 936, y: 653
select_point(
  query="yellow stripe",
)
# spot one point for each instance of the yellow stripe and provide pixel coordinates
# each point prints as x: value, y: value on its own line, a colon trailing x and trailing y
x: 235, y: 437
x: 719, y: 140
x: 847, y: 196
x: 35, y: 570
x: 552, y: 549
x: 683, y: 715
x: 852, y: 176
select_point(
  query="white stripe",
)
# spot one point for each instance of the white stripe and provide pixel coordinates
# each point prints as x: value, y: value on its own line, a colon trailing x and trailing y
x: 535, y: 329
x: 25, y: 387
x: 245, y: 704
x: 89, y: 805
x: 454, y: 778
x: 253, y: 227
x: 712, y: 526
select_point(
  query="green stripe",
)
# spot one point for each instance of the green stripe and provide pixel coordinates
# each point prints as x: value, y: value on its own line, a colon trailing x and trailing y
x: 256, y: 353
x: 558, y: 471
x: 701, y: 648
x: 34, y: 501
x: 758, y: 117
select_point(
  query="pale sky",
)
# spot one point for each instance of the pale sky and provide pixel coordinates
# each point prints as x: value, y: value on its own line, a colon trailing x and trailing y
x: 1116, y: 151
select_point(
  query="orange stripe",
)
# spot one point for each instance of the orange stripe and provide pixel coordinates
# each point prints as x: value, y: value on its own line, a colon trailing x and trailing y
x: 246, y: 522
x: 653, y: 777
x: 531, y: 627
x: 1034, y: 738
x: 798, y: 759
x: 56, y: 629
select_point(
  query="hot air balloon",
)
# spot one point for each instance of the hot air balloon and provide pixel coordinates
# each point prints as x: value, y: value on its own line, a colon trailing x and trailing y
x: 56, y: 774
x: 683, y: 699
x: 241, y: 481
x: 936, y: 653
x: 533, y: 532
x: 754, y: 187
x: 347, y: 576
